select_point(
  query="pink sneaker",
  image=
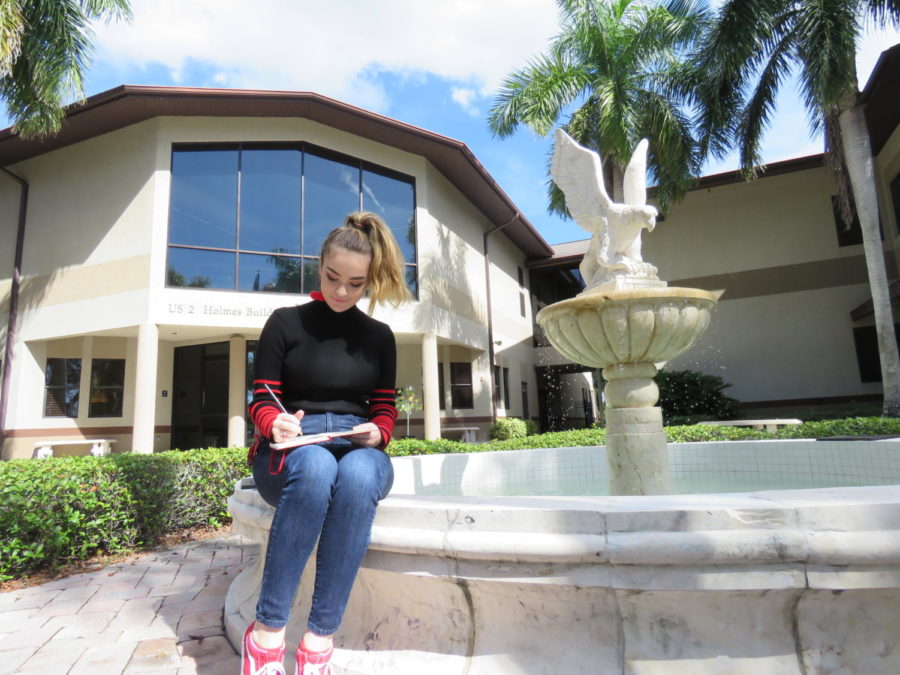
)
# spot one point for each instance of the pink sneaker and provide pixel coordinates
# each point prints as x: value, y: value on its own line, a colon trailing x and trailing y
x: 258, y: 661
x: 313, y: 663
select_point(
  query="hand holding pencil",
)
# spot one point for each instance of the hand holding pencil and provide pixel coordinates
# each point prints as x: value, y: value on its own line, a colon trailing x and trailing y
x: 286, y: 426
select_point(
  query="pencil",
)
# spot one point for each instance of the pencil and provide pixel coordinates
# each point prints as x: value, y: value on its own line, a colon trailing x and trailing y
x: 275, y: 398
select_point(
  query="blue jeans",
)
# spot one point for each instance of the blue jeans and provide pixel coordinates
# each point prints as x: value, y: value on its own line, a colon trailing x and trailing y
x: 327, y: 492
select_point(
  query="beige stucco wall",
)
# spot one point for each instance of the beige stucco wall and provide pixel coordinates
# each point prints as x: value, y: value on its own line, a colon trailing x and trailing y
x: 9, y: 216
x: 88, y: 206
x: 511, y: 329
x: 769, y: 345
x: 783, y: 347
x: 770, y: 222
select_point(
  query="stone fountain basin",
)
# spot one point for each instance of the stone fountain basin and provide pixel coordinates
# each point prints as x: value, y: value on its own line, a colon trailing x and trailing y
x: 780, y: 581
x: 650, y: 325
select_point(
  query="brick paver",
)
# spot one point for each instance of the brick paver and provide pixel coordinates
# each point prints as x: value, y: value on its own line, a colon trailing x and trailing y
x: 159, y: 613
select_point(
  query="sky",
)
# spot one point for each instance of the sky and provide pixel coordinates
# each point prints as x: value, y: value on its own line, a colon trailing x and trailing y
x: 435, y: 64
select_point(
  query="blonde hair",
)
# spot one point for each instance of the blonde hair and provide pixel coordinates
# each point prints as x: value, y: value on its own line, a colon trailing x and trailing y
x: 364, y: 232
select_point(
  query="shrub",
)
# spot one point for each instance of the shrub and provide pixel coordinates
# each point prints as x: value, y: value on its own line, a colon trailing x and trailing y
x: 508, y: 427
x: 853, y: 426
x: 400, y: 447
x: 687, y: 397
x: 61, y: 510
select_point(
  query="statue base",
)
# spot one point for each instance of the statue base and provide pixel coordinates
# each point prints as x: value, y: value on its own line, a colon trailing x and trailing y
x: 623, y: 283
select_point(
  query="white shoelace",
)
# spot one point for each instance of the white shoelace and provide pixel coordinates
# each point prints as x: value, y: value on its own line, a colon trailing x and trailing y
x: 271, y: 669
x: 317, y: 669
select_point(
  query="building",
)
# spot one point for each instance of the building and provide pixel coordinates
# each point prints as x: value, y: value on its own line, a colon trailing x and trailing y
x: 162, y: 226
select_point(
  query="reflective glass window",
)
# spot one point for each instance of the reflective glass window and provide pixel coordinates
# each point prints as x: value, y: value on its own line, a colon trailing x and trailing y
x: 394, y: 200
x: 242, y: 216
x: 107, y: 387
x: 62, y: 384
x: 331, y: 191
x: 269, y: 273
x: 195, y: 268
x: 270, y: 201
x: 461, y: 395
x: 311, y: 281
x: 204, y: 198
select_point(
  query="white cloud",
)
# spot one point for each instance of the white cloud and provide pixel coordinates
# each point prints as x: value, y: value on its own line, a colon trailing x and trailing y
x: 465, y: 97
x: 336, y: 47
x: 873, y: 43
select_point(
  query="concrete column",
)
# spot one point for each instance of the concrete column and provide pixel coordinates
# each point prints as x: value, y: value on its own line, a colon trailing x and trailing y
x: 145, y: 388
x: 84, y: 399
x: 237, y: 369
x: 430, y: 389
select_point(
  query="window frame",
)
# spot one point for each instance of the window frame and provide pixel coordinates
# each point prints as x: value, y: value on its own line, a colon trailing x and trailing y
x: 461, y: 386
x: 506, y: 388
x: 305, y: 259
x: 96, y: 389
x: 75, y: 386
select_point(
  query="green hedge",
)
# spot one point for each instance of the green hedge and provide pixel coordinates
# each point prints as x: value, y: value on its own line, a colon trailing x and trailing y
x: 851, y: 426
x: 61, y: 510
x: 856, y: 426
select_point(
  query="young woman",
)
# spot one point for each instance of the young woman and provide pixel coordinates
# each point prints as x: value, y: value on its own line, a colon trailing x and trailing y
x: 334, y: 368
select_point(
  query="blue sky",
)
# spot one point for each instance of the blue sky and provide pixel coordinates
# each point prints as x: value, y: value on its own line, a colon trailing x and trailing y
x: 432, y: 64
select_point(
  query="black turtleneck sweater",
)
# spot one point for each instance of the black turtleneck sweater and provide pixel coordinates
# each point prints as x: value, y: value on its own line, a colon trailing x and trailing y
x: 318, y: 360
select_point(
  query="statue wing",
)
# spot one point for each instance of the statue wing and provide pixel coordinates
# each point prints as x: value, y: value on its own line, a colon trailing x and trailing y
x: 578, y: 172
x: 635, y: 184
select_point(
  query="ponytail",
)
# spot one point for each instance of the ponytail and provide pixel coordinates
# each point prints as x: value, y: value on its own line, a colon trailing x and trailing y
x: 366, y: 233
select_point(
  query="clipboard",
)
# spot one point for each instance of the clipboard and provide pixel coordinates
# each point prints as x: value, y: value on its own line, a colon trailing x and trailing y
x: 312, y: 438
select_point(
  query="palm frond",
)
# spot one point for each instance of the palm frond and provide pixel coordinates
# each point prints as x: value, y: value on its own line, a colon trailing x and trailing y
x: 12, y: 28
x: 673, y: 159
x: 731, y: 52
x: 535, y: 96
x: 836, y: 163
x: 754, y: 118
x: 50, y: 60
x: 884, y: 12
x: 827, y: 35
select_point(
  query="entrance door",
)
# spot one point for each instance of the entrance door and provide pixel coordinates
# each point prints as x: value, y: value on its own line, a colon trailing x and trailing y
x: 200, y: 403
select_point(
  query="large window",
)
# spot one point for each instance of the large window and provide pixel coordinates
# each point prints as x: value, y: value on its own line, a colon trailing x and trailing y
x: 62, y: 378
x: 848, y: 235
x: 461, y: 385
x: 253, y: 217
x: 107, y: 387
x: 867, y: 354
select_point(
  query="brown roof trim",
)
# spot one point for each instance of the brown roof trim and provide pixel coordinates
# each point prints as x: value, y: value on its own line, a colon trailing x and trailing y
x: 129, y: 104
x: 765, y: 171
x: 561, y: 262
x: 882, y: 104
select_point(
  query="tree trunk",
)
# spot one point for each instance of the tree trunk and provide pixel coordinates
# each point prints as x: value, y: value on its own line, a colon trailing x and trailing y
x: 618, y: 182
x: 861, y: 169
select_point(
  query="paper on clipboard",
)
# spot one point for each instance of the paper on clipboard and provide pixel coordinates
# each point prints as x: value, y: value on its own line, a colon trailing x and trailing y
x: 312, y: 438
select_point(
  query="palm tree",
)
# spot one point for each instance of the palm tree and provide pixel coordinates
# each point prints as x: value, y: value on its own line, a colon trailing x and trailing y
x: 621, y: 63
x: 751, y: 49
x: 44, y: 47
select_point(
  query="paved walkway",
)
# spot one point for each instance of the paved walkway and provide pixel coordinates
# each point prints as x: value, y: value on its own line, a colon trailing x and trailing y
x: 159, y: 612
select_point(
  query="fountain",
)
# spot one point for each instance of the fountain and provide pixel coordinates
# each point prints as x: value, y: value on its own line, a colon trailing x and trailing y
x: 463, y: 578
x: 626, y: 321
